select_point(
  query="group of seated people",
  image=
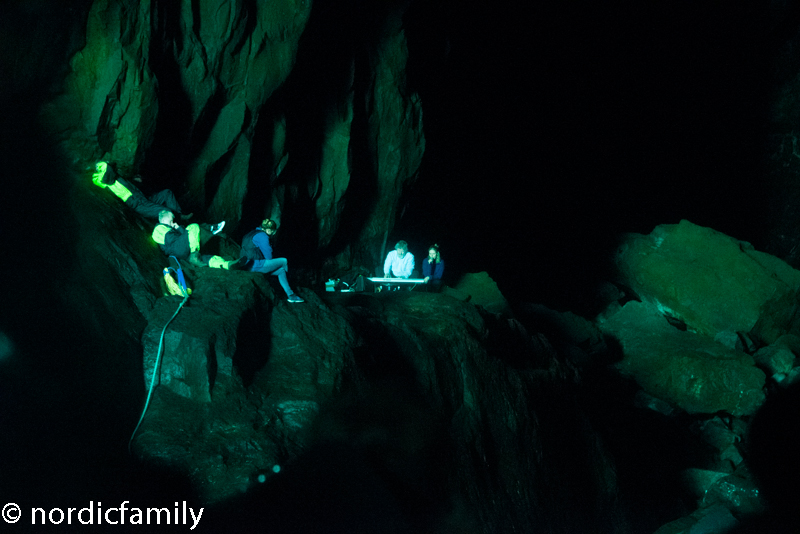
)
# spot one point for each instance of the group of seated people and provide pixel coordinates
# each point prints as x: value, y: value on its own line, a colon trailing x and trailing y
x: 256, y: 253
x: 400, y: 264
x: 184, y: 242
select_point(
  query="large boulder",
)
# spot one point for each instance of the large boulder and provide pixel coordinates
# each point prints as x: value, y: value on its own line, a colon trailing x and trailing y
x: 713, y: 282
x: 685, y: 368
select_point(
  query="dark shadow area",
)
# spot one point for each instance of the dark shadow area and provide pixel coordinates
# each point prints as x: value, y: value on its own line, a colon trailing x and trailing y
x: 549, y: 134
x: 215, y: 174
x: 362, y: 192
x: 248, y: 15
x: 382, y: 357
x: 332, y: 62
x: 509, y: 342
x: 771, y: 454
x: 576, y: 473
x: 252, y: 344
x: 375, y: 466
x: 168, y: 158
x: 263, y: 170
x: 649, y: 449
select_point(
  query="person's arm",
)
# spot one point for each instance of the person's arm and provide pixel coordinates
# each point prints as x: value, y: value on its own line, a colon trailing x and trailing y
x: 387, y: 265
x: 426, y: 270
x: 439, y: 272
x: 261, y: 240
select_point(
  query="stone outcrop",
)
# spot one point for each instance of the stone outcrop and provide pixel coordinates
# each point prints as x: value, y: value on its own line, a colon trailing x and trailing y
x: 685, y: 368
x: 241, y: 380
x: 712, y: 282
x: 250, y: 385
x: 199, y: 344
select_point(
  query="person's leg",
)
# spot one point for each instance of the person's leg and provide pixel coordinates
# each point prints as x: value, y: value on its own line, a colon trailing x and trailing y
x: 277, y: 267
x: 269, y: 266
x: 194, y: 237
x: 218, y: 262
x: 166, y: 199
x: 144, y: 206
x: 281, y: 274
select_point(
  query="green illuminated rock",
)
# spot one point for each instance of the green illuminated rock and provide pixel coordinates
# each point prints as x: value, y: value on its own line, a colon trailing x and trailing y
x: 687, y: 369
x: 195, y: 93
x: 712, y: 282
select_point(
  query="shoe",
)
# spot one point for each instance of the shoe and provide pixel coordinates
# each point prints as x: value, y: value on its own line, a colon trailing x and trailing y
x: 217, y: 228
x: 295, y: 298
x: 186, y: 217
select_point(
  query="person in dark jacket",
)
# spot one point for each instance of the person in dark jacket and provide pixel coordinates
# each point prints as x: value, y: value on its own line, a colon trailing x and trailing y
x: 433, y: 268
x: 258, y: 253
x: 184, y: 243
x: 148, y: 207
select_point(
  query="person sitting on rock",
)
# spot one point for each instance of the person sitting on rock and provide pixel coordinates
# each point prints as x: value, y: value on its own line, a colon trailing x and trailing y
x: 148, y: 207
x: 184, y: 243
x: 258, y: 253
x: 399, y: 262
x: 433, y: 268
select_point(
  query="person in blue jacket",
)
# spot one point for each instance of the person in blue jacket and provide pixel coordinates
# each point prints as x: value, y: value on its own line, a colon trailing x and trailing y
x: 433, y: 267
x: 256, y: 249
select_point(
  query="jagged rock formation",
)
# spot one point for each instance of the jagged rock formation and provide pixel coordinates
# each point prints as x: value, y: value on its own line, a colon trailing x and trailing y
x: 214, y: 99
x: 249, y: 382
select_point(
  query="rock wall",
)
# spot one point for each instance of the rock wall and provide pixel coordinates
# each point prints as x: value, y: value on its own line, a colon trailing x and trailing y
x: 198, y: 96
x: 463, y: 415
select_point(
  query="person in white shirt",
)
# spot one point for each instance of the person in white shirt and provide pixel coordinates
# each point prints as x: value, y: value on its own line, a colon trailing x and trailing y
x: 399, y: 262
